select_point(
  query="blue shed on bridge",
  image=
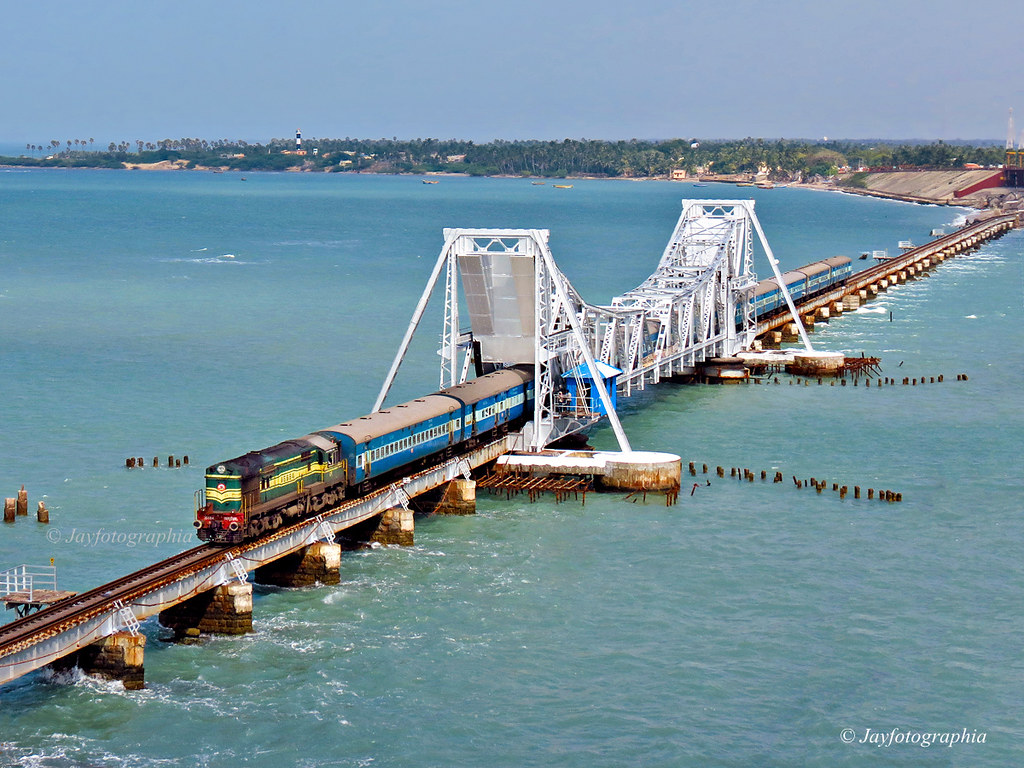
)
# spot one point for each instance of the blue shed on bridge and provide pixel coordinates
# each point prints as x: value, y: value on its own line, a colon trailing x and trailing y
x: 582, y: 392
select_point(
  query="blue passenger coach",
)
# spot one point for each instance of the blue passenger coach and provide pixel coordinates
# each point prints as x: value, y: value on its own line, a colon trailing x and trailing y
x: 801, y: 283
x: 263, y: 490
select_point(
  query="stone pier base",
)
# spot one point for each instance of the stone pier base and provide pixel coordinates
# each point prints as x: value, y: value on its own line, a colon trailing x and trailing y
x: 116, y: 657
x: 459, y: 498
x: 816, y: 363
x: 318, y: 563
x: 851, y: 302
x: 225, y: 610
x: 396, y: 527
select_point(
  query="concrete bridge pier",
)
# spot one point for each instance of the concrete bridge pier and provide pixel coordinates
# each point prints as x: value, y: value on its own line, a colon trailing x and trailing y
x: 224, y: 610
x: 319, y: 563
x: 851, y: 302
x: 116, y: 657
x: 396, y: 526
x: 459, y: 498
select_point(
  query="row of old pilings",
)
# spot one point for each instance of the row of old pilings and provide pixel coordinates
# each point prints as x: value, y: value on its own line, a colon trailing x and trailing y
x: 15, y: 507
x: 132, y: 462
x: 227, y: 609
x: 880, y: 381
x: 777, y: 477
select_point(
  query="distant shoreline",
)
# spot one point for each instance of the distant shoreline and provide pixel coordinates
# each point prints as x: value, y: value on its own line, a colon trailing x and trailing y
x: 185, y: 165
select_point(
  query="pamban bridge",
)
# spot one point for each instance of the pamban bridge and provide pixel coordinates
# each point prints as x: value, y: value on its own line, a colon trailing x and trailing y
x: 696, y: 317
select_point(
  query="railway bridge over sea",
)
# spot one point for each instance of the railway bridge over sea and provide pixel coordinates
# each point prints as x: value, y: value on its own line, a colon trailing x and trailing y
x: 695, y: 307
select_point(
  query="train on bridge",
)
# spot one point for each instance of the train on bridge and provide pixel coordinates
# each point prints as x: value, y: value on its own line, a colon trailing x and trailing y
x: 263, y: 490
x: 260, y: 491
x: 802, y: 283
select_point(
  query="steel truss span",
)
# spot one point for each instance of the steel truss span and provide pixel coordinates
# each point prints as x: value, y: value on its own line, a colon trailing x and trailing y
x: 523, y: 311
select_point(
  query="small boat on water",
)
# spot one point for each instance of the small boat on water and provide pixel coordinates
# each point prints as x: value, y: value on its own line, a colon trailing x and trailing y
x: 700, y: 184
x: 538, y: 183
x: 744, y: 183
x: 429, y: 181
x: 562, y: 186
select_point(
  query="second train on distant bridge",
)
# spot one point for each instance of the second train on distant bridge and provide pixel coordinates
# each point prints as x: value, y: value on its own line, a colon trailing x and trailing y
x: 801, y: 283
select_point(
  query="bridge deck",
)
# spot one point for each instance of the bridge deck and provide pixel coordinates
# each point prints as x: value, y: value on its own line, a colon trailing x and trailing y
x: 972, y: 233
x: 66, y: 626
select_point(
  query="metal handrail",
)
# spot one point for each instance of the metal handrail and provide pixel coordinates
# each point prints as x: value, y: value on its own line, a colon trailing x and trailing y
x: 28, y: 578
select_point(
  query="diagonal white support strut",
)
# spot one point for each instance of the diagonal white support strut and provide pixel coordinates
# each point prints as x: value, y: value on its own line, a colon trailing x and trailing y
x: 584, y: 345
x: 782, y: 285
x: 697, y: 305
x: 417, y: 315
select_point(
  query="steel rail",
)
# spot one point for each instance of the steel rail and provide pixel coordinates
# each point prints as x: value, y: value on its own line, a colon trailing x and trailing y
x: 863, y: 278
x: 73, y: 610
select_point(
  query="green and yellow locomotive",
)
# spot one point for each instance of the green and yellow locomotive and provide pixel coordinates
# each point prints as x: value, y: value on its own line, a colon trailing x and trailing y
x: 263, y: 490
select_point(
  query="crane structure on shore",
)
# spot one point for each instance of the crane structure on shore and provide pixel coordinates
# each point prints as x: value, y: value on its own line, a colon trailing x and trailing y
x: 696, y: 305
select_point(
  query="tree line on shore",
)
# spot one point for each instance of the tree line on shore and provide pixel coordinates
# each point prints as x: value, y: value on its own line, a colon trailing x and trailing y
x: 779, y: 158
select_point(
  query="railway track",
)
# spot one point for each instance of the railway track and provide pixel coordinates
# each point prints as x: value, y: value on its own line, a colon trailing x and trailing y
x: 131, y: 588
x: 54, y: 618
x: 865, y: 277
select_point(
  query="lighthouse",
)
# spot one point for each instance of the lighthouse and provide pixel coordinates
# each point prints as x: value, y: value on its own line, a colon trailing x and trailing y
x: 298, y: 140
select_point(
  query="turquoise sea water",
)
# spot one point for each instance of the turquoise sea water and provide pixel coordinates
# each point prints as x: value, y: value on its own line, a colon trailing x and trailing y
x: 147, y: 314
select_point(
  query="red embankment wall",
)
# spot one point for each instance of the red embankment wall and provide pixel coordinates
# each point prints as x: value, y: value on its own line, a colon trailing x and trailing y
x: 995, y: 180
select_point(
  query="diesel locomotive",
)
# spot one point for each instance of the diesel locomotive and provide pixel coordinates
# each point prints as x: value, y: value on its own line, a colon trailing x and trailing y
x: 261, y: 491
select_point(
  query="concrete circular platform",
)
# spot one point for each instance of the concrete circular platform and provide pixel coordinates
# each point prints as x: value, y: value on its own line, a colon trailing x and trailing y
x: 641, y: 470
x: 816, y: 363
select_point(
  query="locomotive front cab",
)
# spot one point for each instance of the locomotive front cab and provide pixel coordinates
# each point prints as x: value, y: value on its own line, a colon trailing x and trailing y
x: 220, y: 517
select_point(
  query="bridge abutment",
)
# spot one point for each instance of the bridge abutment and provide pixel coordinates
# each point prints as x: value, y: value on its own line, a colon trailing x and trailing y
x: 225, y: 610
x: 318, y: 563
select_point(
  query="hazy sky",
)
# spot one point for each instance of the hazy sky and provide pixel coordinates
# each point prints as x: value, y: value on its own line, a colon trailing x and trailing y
x: 549, y: 69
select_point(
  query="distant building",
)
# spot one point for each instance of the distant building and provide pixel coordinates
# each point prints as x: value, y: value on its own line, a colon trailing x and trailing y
x: 678, y: 174
x: 1013, y: 169
x: 456, y: 158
